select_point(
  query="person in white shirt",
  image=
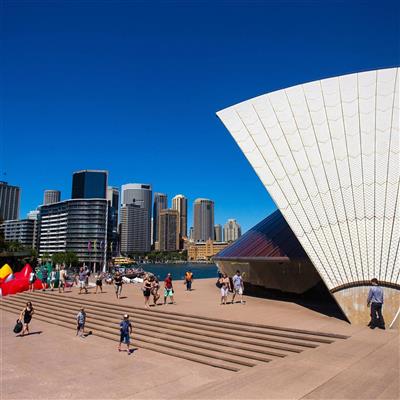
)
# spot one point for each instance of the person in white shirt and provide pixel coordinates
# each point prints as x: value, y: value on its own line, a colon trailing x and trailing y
x: 32, y: 279
x: 53, y: 275
x: 238, y: 287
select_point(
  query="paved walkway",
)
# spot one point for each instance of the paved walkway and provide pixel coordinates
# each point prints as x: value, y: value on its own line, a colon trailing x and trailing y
x: 56, y: 364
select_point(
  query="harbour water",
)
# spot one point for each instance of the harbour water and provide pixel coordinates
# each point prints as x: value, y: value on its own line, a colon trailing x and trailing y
x: 200, y: 271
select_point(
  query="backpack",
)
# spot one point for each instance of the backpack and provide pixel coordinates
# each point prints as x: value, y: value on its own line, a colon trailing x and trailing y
x: 218, y: 284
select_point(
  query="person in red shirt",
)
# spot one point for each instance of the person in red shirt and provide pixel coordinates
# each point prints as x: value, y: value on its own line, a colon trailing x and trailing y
x: 168, y: 289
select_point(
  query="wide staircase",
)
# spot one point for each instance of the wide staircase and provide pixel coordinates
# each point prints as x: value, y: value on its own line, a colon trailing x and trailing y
x: 214, y: 342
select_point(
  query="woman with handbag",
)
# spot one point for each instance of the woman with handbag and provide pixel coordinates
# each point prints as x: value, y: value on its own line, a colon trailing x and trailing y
x: 26, y: 317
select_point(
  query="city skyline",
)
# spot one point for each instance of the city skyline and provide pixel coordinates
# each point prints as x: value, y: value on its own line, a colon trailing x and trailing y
x: 170, y: 197
x: 86, y: 76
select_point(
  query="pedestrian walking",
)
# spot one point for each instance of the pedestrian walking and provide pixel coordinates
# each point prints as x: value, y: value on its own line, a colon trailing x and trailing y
x: 53, y: 275
x: 87, y: 271
x: 80, y: 322
x: 125, y: 328
x: 44, y: 278
x: 375, y: 301
x: 188, y: 280
x: 26, y: 317
x: 99, y: 282
x: 62, y: 279
x: 155, y: 286
x: 82, y: 280
x: 118, y: 284
x: 225, y: 287
x: 32, y: 279
x: 146, y: 290
x: 168, y: 289
x: 238, y: 287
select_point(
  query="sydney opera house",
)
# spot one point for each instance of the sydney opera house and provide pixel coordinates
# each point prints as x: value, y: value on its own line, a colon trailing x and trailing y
x: 328, y: 154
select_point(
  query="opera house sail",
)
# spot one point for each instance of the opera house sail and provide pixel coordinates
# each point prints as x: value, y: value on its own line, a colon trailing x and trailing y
x: 328, y: 154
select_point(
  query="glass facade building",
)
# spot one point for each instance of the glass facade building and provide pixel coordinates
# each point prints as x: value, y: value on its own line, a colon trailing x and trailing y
x: 77, y: 225
x: 89, y: 184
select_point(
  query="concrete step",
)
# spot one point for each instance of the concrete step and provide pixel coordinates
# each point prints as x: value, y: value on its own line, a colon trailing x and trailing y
x: 113, y: 322
x: 236, y: 323
x: 139, y: 342
x: 214, y: 342
x: 150, y: 330
x: 167, y: 324
x: 157, y: 316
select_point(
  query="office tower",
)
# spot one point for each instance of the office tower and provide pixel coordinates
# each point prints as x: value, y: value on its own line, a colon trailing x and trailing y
x: 135, y: 229
x: 191, y: 233
x: 33, y: 215
x: 113, y: 206
x: 77, y: 225
x: 218, y: 233
x: 9, y: 201
x: 89, y: 184
x: 232, y: 231
x: 138, y: 235
x: 203, y: 220
x: 179, y: 203
x: 160, y: 202
x: 20, y: 230
x: 137, y: 193
x: 51, y: 196
x: 168, y: 233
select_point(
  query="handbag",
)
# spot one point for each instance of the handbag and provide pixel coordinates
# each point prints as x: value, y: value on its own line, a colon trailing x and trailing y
x: 18, y: 326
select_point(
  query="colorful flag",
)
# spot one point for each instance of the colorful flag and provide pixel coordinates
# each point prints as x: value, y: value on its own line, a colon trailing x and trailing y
x: 89, y: 246
x: 95, y: 245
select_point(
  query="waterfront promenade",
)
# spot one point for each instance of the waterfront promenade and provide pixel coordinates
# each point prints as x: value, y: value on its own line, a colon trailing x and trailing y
x: 56, y: 364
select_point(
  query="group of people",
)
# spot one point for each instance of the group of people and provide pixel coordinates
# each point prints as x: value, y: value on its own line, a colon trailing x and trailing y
x: 226, y: 286
x: 62, y: 277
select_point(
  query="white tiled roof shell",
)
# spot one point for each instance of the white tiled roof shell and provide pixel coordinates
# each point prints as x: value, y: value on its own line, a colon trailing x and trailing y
x: 328, y: 154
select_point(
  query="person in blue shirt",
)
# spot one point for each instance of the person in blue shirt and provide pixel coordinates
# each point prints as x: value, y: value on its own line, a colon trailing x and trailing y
x: 375, y: 301
x: 125, y: 327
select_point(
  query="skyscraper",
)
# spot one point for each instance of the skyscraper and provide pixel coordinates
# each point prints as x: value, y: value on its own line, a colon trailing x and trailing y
x: 51, y: 196
x: 218, y: 233
x: 89, y: 184
x: 160, y: 202
x: 168, y: 234
x: 203, y: 220
x: 191, y: 233
x: 78, y: 225
x: 135, y: 229
x: 113, y: 206
x: 9, y: 201
x: 135, y: 224
x: 232, y: 230
x: 179, y: 203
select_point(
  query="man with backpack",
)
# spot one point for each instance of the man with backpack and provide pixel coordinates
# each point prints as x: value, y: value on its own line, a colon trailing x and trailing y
x: 125, y: 328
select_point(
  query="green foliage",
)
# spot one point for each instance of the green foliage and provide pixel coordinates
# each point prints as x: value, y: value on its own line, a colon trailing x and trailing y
x: 71, y: 259
x: 68, y: 258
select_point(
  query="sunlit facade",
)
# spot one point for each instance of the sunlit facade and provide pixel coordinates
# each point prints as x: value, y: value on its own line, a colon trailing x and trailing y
x: 328, y: 154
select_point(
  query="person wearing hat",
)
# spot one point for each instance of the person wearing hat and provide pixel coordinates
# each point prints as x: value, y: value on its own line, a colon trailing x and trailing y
x: 125, y: 327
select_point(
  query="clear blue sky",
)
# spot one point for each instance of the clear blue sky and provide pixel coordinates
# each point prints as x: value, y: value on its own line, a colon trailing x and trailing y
x: 133, y: 87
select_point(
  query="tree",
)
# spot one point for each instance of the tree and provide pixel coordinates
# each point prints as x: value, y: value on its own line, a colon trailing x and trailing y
x: 71, y: 259
x: 45, y: 257
x: 58, y: 258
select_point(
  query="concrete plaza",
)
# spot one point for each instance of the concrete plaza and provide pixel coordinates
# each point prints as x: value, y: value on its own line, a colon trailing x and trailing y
x: 53, y: 363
